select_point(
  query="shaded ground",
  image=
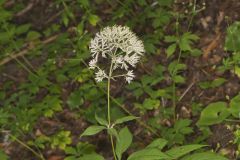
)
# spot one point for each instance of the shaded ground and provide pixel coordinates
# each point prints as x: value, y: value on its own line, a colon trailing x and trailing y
x: 210, y: 25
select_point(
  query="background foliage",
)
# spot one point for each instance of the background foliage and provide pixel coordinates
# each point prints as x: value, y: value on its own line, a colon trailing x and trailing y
x: 184, y: 98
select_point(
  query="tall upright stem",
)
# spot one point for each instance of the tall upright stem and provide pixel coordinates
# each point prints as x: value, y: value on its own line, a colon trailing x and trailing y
x: 108, y: 108
x: 108, y: 94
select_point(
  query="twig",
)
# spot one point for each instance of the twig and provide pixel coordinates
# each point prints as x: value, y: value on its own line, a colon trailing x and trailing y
x: 185, y: 92
x: 25, y: 51
x: 25, y: 10
x: 10, y: 77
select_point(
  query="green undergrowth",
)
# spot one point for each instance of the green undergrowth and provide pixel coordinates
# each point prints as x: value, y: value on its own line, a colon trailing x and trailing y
x: 50, y: 83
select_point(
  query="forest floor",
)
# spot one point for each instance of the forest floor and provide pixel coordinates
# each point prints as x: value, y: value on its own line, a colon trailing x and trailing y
x: 210, y: 25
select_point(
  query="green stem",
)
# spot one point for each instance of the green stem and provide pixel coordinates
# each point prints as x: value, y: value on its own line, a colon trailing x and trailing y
x: 113, y: 149
x: 149, y: 128
x: 192, y: 16
x: 26, y: 146
x: 108, y: 94
x: 108, y: 108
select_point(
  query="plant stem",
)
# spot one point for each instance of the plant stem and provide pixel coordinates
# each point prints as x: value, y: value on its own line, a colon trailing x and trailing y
x: 108, y: 108
x: 26, y: 146
x: 149, y: 128
x: 113, y: 149
x: 108, y: 94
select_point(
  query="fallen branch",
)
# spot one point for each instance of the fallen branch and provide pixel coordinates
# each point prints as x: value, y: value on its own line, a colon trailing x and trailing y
x: 26, y: 50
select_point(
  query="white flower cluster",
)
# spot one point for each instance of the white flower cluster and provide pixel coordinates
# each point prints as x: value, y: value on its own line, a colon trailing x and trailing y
x: 121, y: 46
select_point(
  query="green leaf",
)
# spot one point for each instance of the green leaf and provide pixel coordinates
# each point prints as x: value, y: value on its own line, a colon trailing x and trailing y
x: 93, y: 156
x: 75, y: 100
x: 70, y: 150
x: 148, y: 154
x: 178, y: 79
x: 218, y: 82
x: 150, y: 104
x: 237, y: 70
x: 125, y: 119
x: 174, y: 67
x: 123, y: 142
x: 170, y: 39
x: 84, y: 3
x: 93, y: 19
x: 232, y: 42
x: 186, y: 41
x: 235, y: 106
x: 22, y: 28
x: 182, y: 125
x: 212, y: 84
x: 214, y: 113
x: 204, y: 85
x: 142, y: 2
x: 196, y: 52
x: 171, y: 49
x: 158, y: 143
x: 101, y: 120
x: 92, y: 130
x: 183, y: 150
x: 204, y: 156
x: 3, y: 156
x: 33, y: 35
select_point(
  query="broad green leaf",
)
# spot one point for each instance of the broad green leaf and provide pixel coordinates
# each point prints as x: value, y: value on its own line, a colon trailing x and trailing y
x: 158, y: 143
x: 204, y: 156
x: 182, y: 125
x: 100, y: 120
x: 214, y: 113
x: 171, y: 49
x: 92, y: 157
x: 150, y: 104
x: 170, y: 39
x: 92, y: 130
x: 125, y: 119
x: 70, y: 150
x: 232, y: 42
x: 22, y: 28
x: 235, y: 106
x: 196, y: 52
x: 93, y: 19
x: 149, y: 154
x: 204, y: 85
x: 184, y: 45
x: 178, y: 79
x: 237, y: 70
x: 123, y: 142
x: 218, y: 82
x: 146, y: 80
x: 33, y: 35
x: 75, y: 100
x: 174, y: 67
x: 183, y: 150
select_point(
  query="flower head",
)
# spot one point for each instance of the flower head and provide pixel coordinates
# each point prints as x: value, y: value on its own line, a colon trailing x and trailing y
x: 100, y: 75
x: 118, y: 45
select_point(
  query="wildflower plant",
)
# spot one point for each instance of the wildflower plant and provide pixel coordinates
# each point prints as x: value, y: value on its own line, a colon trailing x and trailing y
x: 115, y: 52
x: 121, y: 47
